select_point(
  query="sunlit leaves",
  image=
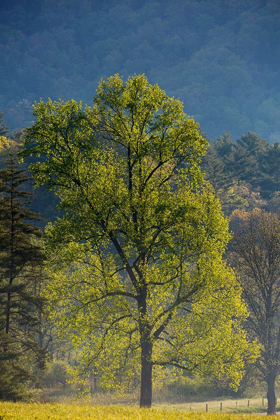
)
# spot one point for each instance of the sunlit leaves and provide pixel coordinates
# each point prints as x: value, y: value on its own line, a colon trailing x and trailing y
x: 137, y: 257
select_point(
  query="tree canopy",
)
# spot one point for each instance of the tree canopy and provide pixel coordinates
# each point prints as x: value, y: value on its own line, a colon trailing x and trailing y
x: 256, y: 256
x: 139, y: 251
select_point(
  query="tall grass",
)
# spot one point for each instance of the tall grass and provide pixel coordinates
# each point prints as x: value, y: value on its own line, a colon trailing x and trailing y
x: 255, y: 405
x: 22, y: 411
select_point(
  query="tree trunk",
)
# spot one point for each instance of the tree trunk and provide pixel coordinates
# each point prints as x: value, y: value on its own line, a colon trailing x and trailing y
x: 271, y: 398
x: 8, y: 310
x: 146, y: 373
x: 7, y: 326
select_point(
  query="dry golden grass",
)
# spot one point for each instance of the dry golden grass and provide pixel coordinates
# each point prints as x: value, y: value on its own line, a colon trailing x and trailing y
x: 227, y: 405
x: 32, y: 411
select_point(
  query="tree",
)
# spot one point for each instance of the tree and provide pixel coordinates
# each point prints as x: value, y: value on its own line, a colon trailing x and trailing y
x: 6, y: 145
x: 256, y: 255
x: 253, y: 143
x: 139, y: 248
x: 20, y: 263
x: 270, y: 173
x: 215, y: 171
x: 4, y: 130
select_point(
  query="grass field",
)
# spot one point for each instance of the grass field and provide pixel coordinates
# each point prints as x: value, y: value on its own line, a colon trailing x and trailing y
x: 255, y: 405
x: 32, y: 411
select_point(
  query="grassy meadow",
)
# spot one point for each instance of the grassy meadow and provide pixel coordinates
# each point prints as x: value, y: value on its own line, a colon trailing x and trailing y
x: 55, y: 411
x: 255, y: 405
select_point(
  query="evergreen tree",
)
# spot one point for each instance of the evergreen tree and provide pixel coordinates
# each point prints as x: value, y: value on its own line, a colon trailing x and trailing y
x: 224, y: 145
x: 4, y: 130
x: 20, y: 269
x: 253, y: 143
x: 214, y: 169
x: 269, y: 180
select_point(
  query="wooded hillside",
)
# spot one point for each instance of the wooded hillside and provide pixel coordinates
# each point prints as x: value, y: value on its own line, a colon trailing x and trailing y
x: 221, y: 58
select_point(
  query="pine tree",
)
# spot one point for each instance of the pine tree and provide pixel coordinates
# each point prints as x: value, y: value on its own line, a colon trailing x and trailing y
x: 20, y: 269
x: 4, y: 129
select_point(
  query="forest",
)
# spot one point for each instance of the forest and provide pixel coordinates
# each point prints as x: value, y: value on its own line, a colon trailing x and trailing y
x: 121, y: 274
x: 221, y: 58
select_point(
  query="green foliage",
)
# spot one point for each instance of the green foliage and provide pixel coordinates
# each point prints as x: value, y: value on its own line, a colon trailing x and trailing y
x: 244, y: 173
x: 6, y: 145
x: 13, y: 375
x: 56, y: 375
x: 256, y: 256
x: 185, y: 388
x: 137, y: 259
x: 21, y: 260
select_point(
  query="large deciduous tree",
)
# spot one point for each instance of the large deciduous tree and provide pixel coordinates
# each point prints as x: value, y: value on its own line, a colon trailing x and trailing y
x: 256, y: 256
x: 139, y: 248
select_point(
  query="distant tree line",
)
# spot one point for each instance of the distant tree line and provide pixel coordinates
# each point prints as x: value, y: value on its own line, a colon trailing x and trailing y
x: 220, y: 58
x: 245, y: 173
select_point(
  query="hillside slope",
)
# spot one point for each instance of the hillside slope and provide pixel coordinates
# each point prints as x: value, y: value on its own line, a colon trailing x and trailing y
x: 220, y: 57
